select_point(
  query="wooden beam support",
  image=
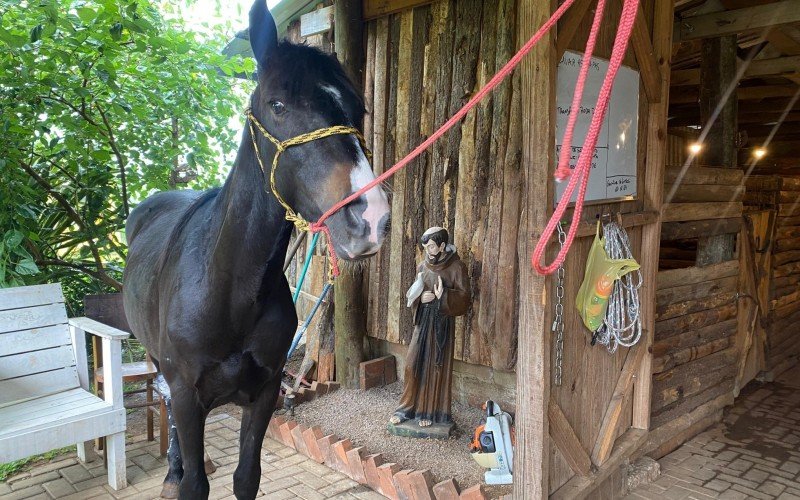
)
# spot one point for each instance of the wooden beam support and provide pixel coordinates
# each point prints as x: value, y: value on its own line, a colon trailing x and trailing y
x: 567, y: 441
x: 580, y: 487
x: 611, y: 419
x: 350, y: 312
x: 718, y: 109
x: 732, y: 22
x: 537, y: 74
x: 378, y: 8
x: 569, y: 25
x: 786, y: 66
x: 629, y: 220
x: 692, y: 96
x: 663, y: 11
x: 649, y: 70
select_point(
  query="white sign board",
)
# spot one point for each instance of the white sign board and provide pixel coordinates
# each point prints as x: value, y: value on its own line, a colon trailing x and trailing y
x: 613, y: 175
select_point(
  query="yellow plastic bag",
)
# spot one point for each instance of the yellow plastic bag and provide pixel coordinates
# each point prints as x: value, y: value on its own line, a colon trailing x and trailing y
x: 598, y: 282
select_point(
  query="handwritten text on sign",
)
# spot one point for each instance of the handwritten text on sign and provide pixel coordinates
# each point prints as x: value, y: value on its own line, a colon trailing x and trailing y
x: 613, y: 174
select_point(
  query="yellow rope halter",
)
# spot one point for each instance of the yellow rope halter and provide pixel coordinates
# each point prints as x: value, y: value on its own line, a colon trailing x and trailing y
x: 281, y: 146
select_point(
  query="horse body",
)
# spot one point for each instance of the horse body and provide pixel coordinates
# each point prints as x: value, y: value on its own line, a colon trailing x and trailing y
x: 204, y: 285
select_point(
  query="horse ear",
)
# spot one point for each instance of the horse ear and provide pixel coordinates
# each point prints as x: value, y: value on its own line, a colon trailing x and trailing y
x: 263, y: 33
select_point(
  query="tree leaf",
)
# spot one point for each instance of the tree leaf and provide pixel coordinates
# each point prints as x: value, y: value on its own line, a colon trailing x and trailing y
x: 36, y: 33
x: 26, y: 267
x: 86, y: 14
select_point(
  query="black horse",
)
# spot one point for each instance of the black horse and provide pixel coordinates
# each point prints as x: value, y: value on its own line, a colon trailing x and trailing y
x: 204, y: 288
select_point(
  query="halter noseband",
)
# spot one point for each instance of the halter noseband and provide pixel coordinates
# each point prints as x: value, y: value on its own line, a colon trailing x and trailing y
x: 281, y: 146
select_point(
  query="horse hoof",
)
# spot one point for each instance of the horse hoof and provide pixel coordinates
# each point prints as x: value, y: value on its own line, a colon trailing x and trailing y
x: 210, y: 467
x: 169, y: 490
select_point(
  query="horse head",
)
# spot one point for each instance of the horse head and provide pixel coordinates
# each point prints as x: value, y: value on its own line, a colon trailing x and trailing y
x: 301, y: 90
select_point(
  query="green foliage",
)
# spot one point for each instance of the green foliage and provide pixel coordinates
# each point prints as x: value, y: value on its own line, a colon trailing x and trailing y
x: 103, y: 102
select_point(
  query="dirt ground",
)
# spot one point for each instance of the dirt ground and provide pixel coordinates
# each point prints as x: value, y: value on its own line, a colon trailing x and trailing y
x: 361, y: 416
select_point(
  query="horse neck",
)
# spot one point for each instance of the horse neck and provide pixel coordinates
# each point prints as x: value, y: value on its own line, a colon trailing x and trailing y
x: 252, y: 234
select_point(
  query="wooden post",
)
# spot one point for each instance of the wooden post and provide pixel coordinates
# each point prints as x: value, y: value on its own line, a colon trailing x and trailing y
x: 349, y: 323
x: 350, y: 313
x: 348, y: 38
x: 718, y: 108
x: 653, y: 199
x: 537, y: 75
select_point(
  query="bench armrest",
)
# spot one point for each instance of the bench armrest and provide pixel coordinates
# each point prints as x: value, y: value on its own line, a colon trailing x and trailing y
x: 99, y: 329
x: 112, y: 356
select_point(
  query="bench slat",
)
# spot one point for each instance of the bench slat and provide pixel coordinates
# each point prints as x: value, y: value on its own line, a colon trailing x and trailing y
x: 29, y: 363
x: 34, y: 339
x: 63, y: 432
x: 83, y: 406
x: 41, y: 384
x: 44, y: 404
x: 16, y: 320
x: 28, y: 296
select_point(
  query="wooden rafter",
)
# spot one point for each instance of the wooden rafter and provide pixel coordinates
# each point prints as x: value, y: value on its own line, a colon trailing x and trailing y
x: 378, y: 8
x: 569, y: 25
x: 692, y: 95
x: 736, y: 21
x: 648, y: 66
x: 788, y: 66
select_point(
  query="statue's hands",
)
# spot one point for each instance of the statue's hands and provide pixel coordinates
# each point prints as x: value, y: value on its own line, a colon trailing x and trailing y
x: 438, y: 289
x: 427, y: 297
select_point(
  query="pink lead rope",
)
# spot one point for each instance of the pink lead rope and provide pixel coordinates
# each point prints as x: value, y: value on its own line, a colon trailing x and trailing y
x: 620, y: 45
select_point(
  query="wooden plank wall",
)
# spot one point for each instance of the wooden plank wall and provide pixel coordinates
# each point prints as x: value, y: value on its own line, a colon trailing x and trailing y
x: 695, y: 352
x: 782, y: 194
x: 422, y: 66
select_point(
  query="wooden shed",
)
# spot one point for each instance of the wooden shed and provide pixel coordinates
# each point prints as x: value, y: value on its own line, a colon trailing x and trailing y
x: 714, y: 223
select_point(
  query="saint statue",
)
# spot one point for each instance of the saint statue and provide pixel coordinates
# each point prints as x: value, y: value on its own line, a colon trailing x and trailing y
x: 440, y: 292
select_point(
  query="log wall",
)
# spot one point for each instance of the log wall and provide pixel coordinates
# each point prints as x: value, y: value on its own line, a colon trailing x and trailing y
x: 780, y: 194
x: 695, y: 354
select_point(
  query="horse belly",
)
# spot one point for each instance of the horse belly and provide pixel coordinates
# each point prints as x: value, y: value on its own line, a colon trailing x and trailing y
x: 238, y: 379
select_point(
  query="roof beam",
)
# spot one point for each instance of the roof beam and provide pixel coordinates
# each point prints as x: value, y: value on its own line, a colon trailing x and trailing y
x: 787, y: 67
x: 692, y: 95
x: 736, y: 21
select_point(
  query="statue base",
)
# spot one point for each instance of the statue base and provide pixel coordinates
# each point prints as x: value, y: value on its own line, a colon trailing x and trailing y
x: 411, y: 428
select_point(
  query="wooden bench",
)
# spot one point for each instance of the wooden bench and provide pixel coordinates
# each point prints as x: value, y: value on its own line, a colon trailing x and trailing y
x: 45, y: 398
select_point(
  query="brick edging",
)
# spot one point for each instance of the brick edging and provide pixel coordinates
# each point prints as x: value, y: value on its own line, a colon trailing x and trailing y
x: 387, y: 478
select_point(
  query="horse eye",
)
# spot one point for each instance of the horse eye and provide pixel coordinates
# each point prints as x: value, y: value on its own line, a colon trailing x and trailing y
x: 277, y: 107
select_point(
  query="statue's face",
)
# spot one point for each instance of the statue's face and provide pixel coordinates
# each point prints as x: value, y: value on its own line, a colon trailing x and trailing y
x: 432, y: 249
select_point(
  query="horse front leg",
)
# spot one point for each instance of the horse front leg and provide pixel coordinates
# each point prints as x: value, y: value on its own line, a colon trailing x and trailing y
x: 190, y: 418
x: 255, y: 419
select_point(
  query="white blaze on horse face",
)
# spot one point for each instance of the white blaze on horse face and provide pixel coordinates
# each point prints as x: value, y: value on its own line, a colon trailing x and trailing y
x: 377, y: 203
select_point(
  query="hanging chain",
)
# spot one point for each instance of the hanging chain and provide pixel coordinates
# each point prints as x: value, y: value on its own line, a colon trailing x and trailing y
x: 558, y: 322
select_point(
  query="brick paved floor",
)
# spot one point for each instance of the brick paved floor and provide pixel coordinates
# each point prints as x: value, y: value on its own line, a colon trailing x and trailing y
x: 284, y: 473
x: 753, y: 453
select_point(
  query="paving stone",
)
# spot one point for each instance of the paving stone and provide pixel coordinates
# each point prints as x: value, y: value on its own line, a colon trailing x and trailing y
x: 718, y: 485
x: 756, y: 475
x: 59, y: 488
x: 30, y: 492
x: 751, y: 492
x: 307, y: 493
x: 732, y: 495
x: 772, y: 488
x: 740, y: 465
x: 33, y: 480
x: 791, y: 467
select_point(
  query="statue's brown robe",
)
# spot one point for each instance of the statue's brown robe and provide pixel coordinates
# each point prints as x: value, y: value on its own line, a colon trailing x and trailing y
x: 426, y: 390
